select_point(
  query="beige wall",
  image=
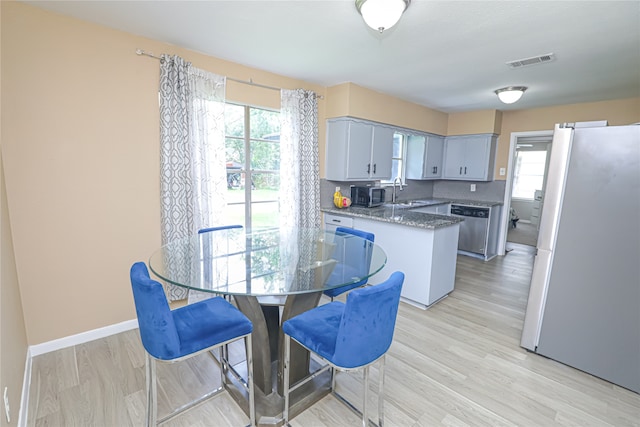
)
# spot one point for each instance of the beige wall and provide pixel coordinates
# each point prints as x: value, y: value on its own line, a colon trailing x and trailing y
x: 349, y: 99
x: 81, y: 151
x: 617, y: 112
x: 482, y: 121
x: 13, y: 336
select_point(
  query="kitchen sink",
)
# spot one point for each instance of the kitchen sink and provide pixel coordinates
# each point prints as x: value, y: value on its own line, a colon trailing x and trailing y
x: 408, y: 204
x: 411, y: 203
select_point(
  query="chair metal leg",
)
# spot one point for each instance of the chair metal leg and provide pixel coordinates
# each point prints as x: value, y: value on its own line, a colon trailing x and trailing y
x: 287, y: 355
x: 252, y: 401
x: 152, y: 392
x: 222, y: 358
x: 366, y: 396
x: 381, y: 393
x: 333, y: 378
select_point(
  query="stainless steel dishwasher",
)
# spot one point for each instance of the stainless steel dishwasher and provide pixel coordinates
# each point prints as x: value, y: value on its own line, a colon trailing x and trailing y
x: 474, y: 230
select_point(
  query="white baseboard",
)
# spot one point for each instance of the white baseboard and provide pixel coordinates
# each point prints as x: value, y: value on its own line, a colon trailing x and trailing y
x: 82, y: 337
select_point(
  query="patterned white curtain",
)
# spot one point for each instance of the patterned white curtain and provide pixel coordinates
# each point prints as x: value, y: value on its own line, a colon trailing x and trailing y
x: 299, y: 164
x: 192, y: 164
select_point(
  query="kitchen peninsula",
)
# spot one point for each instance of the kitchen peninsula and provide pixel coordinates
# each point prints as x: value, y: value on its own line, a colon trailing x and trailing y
x: 422, y: 245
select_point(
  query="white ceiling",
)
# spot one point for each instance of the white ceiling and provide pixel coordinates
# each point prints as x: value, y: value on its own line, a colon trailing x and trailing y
x: 447, y: 55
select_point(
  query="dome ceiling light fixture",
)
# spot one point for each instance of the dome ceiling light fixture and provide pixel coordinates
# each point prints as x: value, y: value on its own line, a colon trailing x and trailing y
x: 381, y: 14
x: 510, y: 94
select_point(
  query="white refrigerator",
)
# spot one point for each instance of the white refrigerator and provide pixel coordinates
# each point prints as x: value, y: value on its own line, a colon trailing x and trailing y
x: 584, y: 301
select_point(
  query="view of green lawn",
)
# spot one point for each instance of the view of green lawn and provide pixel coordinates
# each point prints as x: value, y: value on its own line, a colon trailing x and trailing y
x: 262, y: 214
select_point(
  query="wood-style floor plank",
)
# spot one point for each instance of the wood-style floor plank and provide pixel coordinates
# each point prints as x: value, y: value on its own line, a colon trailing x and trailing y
x: 458, y: 363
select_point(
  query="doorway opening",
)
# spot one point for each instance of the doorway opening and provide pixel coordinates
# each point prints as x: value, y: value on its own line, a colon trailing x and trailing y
x: 524, y: 193
x: 527, y: 192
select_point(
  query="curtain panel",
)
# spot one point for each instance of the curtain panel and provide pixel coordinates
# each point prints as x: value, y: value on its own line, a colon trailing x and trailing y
x: 192, y: 164
x: 299, y: 161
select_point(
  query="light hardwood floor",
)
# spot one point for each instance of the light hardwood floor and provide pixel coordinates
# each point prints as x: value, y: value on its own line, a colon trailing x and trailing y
x: 457, y: 364
x: 525, y: 233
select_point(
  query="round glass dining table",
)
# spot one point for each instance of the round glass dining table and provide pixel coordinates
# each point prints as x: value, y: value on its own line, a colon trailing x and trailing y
x: 273, y: 275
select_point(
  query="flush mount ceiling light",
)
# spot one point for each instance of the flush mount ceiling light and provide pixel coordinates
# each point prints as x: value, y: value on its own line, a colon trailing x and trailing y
x: 510, y: 94
x: 381, y: 14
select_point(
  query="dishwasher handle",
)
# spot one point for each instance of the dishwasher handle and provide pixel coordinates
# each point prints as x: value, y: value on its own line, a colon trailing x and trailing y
x: 455, y: 210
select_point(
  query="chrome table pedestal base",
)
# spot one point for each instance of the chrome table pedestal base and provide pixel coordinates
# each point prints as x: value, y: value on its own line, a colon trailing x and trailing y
x: 268, y: 341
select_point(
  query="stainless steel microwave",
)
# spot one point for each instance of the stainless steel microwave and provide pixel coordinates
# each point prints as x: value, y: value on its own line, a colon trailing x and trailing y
x: 368, y: 197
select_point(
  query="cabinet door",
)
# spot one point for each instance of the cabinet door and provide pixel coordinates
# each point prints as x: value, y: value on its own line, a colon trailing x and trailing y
x: 381, y: 152
x: 424, y: 157
x: 477, y: 157
x: 443, y: 209
x: 469, y: 157
x: 433, y: 157
x: 358, y: 151
x: 426, y: 209
x: 454, y: 155
x: 331, y: 222
x: 335, y: 166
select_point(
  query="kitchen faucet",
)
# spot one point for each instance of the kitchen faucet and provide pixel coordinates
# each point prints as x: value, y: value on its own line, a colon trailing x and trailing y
x: 393, y: 194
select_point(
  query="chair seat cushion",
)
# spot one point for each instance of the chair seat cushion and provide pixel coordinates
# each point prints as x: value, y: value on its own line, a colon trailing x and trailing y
x: 207, y: 323
x: 317, y: 329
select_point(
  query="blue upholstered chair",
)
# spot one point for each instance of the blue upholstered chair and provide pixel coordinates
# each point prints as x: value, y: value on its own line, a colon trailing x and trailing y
x: 358, y: 257
x: 174, y: 335
x: 348, y: 336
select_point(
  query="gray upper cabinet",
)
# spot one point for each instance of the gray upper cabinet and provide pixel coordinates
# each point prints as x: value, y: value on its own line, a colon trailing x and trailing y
x: 469, y: 157
x: 424, y: 156
x: 357, y: 150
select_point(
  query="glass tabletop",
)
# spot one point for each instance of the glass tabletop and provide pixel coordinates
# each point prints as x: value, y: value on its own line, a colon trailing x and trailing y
x: 267, y: 262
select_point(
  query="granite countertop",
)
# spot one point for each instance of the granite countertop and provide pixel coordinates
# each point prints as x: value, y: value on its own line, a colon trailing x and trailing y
x: 433, y: 202
x: 398, y: 215
x: 403, y: 213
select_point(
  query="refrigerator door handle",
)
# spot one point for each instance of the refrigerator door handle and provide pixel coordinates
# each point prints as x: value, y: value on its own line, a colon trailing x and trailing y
x: 537, y: 298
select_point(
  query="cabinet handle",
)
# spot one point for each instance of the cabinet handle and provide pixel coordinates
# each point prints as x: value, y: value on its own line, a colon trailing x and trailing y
x: 435, y: 170
x: 460, y: 170
x: 465, y: 170
x: 374, y: 167
x: 368, y: 167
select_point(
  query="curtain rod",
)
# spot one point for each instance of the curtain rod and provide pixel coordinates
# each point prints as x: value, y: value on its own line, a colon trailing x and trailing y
x: 246, y: 82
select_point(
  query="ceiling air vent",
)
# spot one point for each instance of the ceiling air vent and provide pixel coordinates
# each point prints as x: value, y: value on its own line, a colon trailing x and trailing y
x: 519, y: 63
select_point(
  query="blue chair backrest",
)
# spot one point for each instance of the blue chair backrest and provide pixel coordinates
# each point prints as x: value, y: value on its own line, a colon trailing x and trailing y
x: 222, y: 227
x: 368, y: 321
x: 364, y: 234
x: 157, y: 328
x: 352, y: 251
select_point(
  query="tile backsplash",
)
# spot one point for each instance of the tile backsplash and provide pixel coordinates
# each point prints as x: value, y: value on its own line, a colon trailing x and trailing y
x: 492, y: 191
x: 414, y: 190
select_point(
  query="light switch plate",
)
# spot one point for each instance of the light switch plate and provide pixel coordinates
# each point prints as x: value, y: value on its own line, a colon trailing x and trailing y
x: 503, y: 171
x: 473, y: 187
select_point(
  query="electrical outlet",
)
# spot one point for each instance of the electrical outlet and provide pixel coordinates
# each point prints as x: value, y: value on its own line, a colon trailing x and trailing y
x: 503, y: 171
x: 473, y: 187
x: 6, y: 404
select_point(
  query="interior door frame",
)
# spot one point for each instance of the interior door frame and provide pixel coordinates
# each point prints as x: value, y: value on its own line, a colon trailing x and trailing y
x: 504, y: 220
